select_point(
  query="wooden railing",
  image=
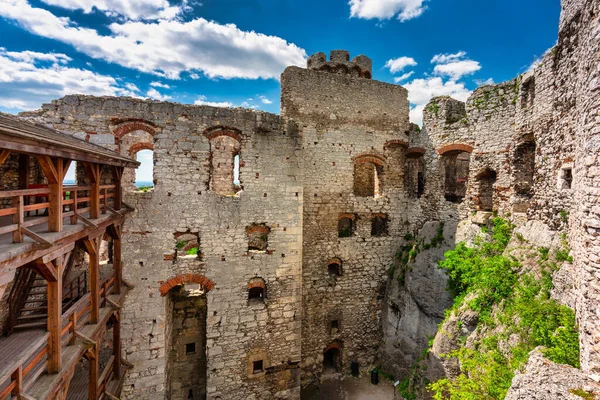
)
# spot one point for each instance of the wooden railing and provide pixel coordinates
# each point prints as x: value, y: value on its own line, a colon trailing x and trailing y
x: 23, y: 376
x: 75, y: 201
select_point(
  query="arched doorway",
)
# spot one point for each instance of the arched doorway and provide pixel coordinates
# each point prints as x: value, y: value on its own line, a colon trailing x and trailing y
x: 332, y: 357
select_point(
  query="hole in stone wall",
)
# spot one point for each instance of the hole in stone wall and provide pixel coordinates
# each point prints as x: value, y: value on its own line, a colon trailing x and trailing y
x: 258, y: 238
x: 455, y: 175
x: 486, y: 180
x: 256, y: 291
x: 415, y: 177
x: 379, y: 225
x: 187, y: 245
x: 334, y: 326
x: 332, y: 359
x: 368, y: 179
x: 524, y: 167
x: 190, y: 348
x: 528, y: 93
x: 565, y: 179
x: 225, y: 164
x: 334, y: 267
x: 144, y: 174
x: 345, y: 226
x: 257, y: 366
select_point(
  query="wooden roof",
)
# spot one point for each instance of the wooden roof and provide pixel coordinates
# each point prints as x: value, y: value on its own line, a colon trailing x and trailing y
x: 19, y: 135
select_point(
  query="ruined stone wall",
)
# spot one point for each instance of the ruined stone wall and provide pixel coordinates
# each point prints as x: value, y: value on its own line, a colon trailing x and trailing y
x: 237, y: 332
x: 347, y: 122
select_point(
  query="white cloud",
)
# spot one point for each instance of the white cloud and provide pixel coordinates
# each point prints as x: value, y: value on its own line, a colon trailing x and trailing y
x: 420, y: 91
x: 132, y: 9
x: 265, y: 100
x: 202, y: 101
x: 398, y: 64
x: 132, y: 87
x: 166, y: 47
x: 160, y: 85
x: 387, y: 9
x: 446, y: 58
x: 29, y: 79
x: 455, y: 65
x: 156, y: 95
x: 404, y: 77
x: 480, y: 82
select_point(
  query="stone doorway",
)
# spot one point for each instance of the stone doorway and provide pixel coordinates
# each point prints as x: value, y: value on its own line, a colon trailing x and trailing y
x: 332, y: 360
x: 186, y: 338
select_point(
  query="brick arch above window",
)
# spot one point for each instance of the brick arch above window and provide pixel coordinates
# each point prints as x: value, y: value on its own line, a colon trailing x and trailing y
x: 124, y: 127
x: 217, y: 131
x: 395, y: 143
x: 370, y: 158
x: 201, y: 280
x: 136, y: 147
x: 256, y: 283
x: 415, y: 152
x: 336, y: 344
x: 455, y: 147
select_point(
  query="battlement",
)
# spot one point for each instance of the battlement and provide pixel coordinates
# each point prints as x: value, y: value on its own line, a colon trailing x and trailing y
x: 339, y: 63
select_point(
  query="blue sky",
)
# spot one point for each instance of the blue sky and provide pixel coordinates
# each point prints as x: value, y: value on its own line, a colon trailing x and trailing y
x: 231, y: 52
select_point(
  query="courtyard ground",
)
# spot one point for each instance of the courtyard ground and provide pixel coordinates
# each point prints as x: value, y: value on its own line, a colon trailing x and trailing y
x: 349, y: 388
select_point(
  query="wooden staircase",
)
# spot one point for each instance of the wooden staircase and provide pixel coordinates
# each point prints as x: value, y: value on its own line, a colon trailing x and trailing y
x: 28, y: 300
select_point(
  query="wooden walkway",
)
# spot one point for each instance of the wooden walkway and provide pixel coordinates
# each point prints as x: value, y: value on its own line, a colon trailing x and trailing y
x: 20, y: 349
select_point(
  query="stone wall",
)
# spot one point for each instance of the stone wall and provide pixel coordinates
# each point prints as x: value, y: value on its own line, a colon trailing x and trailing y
x: 237, y: 332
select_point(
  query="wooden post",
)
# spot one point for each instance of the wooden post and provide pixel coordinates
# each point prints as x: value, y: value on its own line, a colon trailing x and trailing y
x: 117, y: 346
x: 53, y: 170
x: 74, y: 207
x: 93, y: 375
x: 93, y: 174
x: 117, y: 260
x: 117, y: 177
x: 73, y: 320
x: 4, y: 156
x: 24, y: 173
x: 18, y: 219
x: 55, y: 319
x: 93, y: 248
x: 17, y: 376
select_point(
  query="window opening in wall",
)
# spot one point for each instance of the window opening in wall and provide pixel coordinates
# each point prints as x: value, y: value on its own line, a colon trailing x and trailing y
x: 145, y: 172
x: 379, y: 225
x: 528, y: 93
x: 256, y: 291
x: 368, y: 178
x: 334, y: 326
x: 334, y: 268
x: 258, y: 238
x: 257, y: 366
x: 486, y: 180
x: 70, y: 176
x: 524, y: 167
x: 456, y: 175
x: 236, y: 170
x: 566, y: 178
x: 420, y: 184
x: 190, y: 348
x: 345, y: 226
x: 187, y: 245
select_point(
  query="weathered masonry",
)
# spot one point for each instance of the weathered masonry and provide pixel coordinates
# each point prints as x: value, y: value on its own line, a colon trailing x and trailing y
x: 61, y: 314
x: 259, y: 261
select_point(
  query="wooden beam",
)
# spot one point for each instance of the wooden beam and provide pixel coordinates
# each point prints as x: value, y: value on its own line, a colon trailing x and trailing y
x: 93, y: 246
x: 24, y: 171
x: 35, y: 237
x: 53, y: 170
x: 48, y: 271
x: 86, y: 221
x: 85, y: 339
x: 114, y: 305
x: 93, y: 375
x: 4, y: 154
x: 57, y: 253
x: 117, y: 348
x: 55, y: 319
x: 49, y: 169
x: 17, y: 376
x: 93, y: 173
x: 118, y: 260
x: 18, y: 218
x: 117, y: 179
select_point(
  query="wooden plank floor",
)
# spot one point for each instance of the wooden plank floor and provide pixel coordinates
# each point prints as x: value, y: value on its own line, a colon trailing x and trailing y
x: 78, y: 388
x: 17, y: 349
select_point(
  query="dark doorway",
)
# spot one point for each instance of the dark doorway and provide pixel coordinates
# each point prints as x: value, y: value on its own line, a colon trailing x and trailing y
x: 332, y: 360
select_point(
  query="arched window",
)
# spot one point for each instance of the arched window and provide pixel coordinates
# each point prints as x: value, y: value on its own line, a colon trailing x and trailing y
x: 368, y: 176
x: 144, y: 174
x: 225, y: 144
x: 485, y: 181
x: 334, y: 267
x: 332, y: 357
x: 415, y: 172
x: 524, y: 167
x: 256, y: 291
x: 456, y: 175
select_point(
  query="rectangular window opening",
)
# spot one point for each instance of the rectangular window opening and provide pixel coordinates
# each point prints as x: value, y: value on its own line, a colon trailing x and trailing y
x: 257, y: 367
x: 190, y: 348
